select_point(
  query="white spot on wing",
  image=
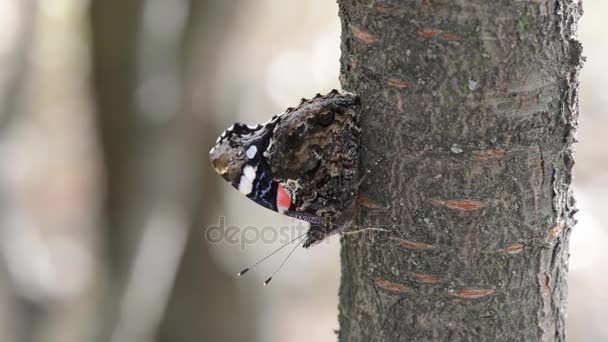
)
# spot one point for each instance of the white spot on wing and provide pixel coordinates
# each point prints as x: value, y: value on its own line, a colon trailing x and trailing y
x: 252, y: 151
x: 246, y: 182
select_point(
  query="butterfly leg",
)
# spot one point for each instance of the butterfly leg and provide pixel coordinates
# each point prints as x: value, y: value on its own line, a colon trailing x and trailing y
x: 368, y: 172
x: 317, y: 233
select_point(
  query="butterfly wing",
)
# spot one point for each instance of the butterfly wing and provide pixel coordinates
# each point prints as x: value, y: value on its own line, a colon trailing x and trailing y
x: 314, y: 154
x: 302, y: 163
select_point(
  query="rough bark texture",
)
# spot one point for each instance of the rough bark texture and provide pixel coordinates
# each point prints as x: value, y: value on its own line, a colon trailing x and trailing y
x: 475, y: 105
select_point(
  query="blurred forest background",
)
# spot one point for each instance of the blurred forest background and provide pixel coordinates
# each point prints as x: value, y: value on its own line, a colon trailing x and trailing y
x: 108, y: 109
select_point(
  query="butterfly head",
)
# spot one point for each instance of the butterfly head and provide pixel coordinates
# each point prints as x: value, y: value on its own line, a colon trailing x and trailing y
x: 237, y: 150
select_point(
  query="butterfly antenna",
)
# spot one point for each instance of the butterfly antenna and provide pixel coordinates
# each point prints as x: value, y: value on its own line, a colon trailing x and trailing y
x: 283, y: 263
x: 269, y: 255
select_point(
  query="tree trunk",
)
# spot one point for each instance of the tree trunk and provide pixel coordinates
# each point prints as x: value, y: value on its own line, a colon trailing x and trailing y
x: 163, y: 283
x: 475, y: 105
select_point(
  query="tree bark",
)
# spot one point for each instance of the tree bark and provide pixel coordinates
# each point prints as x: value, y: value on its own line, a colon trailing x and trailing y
x: 475, y: 104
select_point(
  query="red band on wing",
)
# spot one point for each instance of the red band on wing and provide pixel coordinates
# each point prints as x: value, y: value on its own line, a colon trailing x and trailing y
x: 283, y: 199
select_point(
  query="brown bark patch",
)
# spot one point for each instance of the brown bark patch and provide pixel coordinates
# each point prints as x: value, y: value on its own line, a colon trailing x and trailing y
x: 414, y: 245
x: 426, y: 4
x: 555, y: 231
x: 473, y: 293
x: 429, y: 32
x: 363, y: 35
x: 450, y: 36
x: 460, y: 204
x: 366, y: 202
x: 385, y: 8
x: 428, y: 279
x: 432, y: 32
x: 514, y: 249
x: 390, y: 286
x: 545, y: 282
x: 397, y: 83
x: 489, y: 154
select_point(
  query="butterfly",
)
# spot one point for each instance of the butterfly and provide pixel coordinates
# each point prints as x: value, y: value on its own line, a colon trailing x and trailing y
x: 302, y: 163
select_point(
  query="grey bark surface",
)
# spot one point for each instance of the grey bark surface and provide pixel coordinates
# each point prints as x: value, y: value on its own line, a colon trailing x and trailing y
x: 475, y: 105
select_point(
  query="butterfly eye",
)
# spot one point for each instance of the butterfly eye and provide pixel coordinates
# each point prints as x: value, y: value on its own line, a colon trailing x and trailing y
x: 239, y: 154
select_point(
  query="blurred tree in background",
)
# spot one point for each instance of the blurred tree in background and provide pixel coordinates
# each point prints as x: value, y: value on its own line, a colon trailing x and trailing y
x: 154, y: 104
x: 26, y: 308
x: 153, y: 68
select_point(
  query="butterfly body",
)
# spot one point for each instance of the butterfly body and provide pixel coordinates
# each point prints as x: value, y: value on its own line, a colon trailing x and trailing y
x: 302, y: 163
